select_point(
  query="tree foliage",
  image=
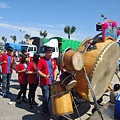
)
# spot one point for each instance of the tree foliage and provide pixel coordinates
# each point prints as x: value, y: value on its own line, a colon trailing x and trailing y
x: 43, y: 34
x: 69, y: 30
x: 27, y: 36
x: 14, y: 38
x: 4, y: 39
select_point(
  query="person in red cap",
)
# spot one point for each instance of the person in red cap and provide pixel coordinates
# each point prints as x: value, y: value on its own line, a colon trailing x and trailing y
x: 47, y: 71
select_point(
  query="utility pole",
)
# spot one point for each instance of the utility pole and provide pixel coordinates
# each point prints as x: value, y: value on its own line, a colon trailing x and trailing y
x: 21, y: 33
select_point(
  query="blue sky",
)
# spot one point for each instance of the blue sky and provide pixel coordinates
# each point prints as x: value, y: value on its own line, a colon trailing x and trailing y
x: 32, y: 16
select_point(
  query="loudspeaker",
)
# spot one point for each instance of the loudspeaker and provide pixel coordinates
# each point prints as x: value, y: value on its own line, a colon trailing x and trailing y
x: 98, y: 27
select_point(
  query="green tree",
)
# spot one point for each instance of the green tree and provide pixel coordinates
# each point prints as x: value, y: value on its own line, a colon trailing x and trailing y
x: 4, y: 39
x: 27, y: 37
x: 69, y: 30
x: 14, y: 38
x: 43, y: 34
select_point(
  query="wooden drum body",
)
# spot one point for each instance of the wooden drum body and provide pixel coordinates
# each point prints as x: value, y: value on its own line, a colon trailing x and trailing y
x: 61, y: 99
x: 67, y: 80
x: 73, y: 60
x: 100, y: 65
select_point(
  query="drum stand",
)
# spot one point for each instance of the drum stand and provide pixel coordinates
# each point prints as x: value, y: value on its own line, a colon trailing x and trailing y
x: 117, y: 75
x: 67, y: 117
x: 92, y: 93
x: 93, y: 96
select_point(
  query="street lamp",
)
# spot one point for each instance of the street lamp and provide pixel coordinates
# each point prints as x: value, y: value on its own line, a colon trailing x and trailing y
x: 105, y: 18
x: 102, y: 15
x: 21, y: 33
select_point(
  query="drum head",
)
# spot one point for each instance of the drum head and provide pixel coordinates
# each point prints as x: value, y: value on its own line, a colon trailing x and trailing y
x: 103, y: 70
x: 78, y: 61
x: 71, y: 84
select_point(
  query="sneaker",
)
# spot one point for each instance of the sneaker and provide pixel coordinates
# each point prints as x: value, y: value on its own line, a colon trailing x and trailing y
x: 5, y: 95
x: 18, y: 101
x: 9, y: 93
x: 30, y: 106
x: 24, y: 100
x: 34, y: 103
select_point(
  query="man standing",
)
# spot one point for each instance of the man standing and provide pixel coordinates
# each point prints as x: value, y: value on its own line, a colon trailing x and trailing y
x: 47, y: 70
x: 6, y: 64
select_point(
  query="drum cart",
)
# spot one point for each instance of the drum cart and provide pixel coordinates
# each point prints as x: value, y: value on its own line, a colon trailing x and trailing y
x: 88, y: 82
x: 88, y: 46
x: 99, y: 65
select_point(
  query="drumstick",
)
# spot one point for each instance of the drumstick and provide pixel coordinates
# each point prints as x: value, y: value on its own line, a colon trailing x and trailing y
x: 50, y: 74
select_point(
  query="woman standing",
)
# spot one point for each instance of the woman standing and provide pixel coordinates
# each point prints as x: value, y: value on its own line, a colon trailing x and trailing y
x: 33, y: 80
x: 22, y: 78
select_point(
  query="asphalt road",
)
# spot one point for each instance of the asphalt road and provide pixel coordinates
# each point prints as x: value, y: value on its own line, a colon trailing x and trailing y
x: 10, y: 111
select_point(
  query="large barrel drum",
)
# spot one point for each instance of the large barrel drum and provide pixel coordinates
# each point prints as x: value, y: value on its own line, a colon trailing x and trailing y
x: 100, y: 65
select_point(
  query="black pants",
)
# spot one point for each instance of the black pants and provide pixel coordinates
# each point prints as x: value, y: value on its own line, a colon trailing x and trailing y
x: 0, y: 80
x: 23, y: 88
x: 31, y: 94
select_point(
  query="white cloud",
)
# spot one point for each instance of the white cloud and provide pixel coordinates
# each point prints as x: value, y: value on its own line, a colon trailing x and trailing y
x: 5, y: 25
x: 1, y: 17
x: 52, y: 30
x: 3, y: 5
x: 33, y: 31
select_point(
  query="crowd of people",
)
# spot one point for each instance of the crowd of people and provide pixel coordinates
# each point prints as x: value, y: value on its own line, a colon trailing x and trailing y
x: 34, y: 72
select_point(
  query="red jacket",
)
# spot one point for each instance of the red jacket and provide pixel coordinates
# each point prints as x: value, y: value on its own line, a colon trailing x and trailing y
x: 32, y: 78
x: 22, y: 77
x: 4, y: 57
x: 42, y: 66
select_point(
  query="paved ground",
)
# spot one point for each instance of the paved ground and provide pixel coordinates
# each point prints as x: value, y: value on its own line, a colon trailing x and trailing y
x: 9, y: 111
